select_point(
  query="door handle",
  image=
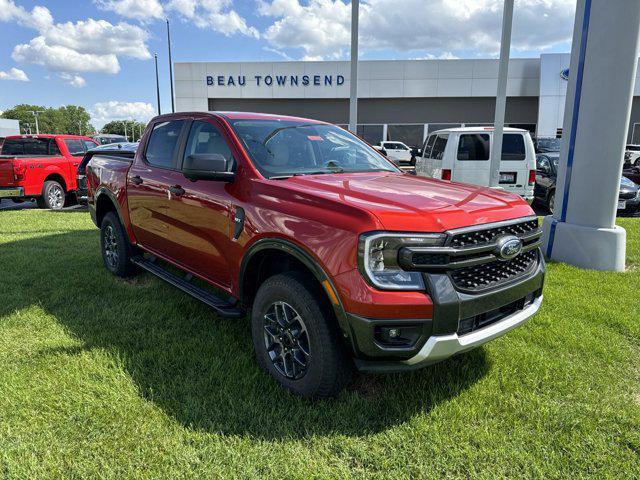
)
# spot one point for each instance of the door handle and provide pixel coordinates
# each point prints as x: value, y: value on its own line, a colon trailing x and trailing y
x: 136, y: 180
x: 176, y: 190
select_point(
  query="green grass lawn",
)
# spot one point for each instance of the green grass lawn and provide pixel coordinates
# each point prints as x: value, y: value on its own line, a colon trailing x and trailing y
x: 101, y: 377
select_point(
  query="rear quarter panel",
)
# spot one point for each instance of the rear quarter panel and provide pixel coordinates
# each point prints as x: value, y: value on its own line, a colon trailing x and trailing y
x: 108, y: 176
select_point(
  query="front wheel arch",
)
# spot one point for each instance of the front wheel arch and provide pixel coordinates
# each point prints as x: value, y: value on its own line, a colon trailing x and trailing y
x: 268, y: 248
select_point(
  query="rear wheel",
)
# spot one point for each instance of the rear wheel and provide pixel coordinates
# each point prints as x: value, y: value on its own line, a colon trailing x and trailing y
x: 117, y: 252
x: 296, y: 338
x: 53, y: 196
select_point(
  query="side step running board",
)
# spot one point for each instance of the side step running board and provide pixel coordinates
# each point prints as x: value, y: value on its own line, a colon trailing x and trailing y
x: 221, y: 306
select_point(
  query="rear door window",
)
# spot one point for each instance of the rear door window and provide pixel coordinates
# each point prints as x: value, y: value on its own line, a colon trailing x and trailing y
x: 513, y: 147
x: 163, y: 142
x: 75, y: 146
x: 439, y: 145
x: 473, y: 147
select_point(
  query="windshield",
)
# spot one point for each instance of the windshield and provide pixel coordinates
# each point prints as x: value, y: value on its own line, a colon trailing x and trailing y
x: 549, y: 144
x: 287, y: 148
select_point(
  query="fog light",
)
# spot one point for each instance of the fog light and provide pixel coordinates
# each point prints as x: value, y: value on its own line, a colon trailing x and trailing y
x: 394, y: 333
x: 405, y: 336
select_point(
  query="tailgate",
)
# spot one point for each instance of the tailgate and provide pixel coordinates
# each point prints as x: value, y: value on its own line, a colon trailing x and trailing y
x: 6, y: 172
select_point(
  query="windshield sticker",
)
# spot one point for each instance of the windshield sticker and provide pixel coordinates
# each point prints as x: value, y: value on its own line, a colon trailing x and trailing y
x: 315, y: 138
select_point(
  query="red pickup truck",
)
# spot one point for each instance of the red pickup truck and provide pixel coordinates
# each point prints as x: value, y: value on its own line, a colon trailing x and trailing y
x: 342, y: 259
x: 41, y: 167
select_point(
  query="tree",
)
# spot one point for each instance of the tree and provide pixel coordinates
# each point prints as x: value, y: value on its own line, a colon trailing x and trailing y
x: 134, y: 128
x: 76, y: 120
x: 69, y: 119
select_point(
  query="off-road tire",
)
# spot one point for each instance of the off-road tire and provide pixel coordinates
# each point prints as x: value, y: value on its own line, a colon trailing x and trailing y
x: 329, y: 368
x: 116, y: 249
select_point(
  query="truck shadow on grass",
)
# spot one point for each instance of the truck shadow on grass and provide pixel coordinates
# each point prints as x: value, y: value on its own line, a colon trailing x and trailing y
x: 197, y: 367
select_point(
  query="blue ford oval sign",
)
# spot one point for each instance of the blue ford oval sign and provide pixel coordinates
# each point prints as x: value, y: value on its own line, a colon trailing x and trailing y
x: 508, y: 247
x: 564, y: 74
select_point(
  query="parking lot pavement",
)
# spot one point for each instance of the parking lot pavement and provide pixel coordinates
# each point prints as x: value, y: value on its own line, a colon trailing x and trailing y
x: 10, y: 205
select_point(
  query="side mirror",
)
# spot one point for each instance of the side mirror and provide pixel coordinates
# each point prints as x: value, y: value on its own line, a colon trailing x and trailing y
x: 207, y: 166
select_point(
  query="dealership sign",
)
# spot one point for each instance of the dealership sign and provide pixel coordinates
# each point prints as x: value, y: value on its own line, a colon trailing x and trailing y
x: 564, y: 74
x: 279, y: 80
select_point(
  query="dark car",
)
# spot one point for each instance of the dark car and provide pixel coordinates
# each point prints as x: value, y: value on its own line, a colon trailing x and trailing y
x: 124, y: 150
x: 545, y: 188
x: 633, y: 174
x: 547, y: 145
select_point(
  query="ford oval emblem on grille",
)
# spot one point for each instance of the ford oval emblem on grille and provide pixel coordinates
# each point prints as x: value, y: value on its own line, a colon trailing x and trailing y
x: 508, y: 247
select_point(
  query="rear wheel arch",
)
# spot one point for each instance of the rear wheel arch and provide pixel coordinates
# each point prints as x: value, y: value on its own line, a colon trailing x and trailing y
x: 56, y: 177
x: 105, y: 202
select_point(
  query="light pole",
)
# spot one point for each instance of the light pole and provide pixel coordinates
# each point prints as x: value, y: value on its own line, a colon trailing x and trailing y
x: 157, y: 84
x: 35, y: 114
x: 353, y: 86
x: 125, y: 131
x: 173, y: 108
x: 501, y: 95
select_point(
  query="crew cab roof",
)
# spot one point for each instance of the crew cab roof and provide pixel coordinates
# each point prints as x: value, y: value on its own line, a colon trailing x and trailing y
x: 238, y: 116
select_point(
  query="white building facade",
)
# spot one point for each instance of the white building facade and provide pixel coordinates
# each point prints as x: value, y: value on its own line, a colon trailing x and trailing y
x: 398, y: 100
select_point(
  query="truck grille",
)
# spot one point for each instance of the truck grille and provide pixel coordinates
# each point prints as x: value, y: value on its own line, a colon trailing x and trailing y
x: 472, y: 257
x: 488, y: 275
x: 487, y: 236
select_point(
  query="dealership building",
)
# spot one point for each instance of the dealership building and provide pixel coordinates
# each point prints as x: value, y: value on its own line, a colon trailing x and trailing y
x: 397, y: 99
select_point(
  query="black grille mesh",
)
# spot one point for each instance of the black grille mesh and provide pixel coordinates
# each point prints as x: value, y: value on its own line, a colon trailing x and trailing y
x: 491, y: 274
x: 482, y: 237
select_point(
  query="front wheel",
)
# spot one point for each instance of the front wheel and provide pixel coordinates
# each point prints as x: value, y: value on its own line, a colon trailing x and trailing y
x: 117, y: 252
x: 296, y: 338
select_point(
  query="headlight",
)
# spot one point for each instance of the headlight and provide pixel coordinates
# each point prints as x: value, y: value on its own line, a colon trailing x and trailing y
x: 378, y: 258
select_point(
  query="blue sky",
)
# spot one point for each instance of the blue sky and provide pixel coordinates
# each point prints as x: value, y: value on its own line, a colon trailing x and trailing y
x: 106, y: 64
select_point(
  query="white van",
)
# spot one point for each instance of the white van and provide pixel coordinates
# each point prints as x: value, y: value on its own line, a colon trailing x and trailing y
x: 463, y: 155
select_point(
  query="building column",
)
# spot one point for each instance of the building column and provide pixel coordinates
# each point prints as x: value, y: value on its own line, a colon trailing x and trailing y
x: 604, y: 57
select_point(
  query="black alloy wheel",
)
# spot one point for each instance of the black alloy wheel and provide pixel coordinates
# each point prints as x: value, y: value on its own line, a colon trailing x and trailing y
x: 286, y: 340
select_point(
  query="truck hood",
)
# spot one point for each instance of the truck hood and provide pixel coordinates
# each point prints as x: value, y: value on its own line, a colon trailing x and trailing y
x: 404, y: 202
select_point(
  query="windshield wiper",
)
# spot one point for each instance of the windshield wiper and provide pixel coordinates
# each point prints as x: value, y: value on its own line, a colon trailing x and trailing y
x: 319, y: 172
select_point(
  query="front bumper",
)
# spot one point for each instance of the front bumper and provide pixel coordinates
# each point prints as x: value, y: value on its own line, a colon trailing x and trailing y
x: 460, y: 322
x: 440, y: 347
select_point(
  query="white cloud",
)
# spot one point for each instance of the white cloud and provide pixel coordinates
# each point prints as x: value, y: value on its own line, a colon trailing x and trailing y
x: 14, y: 74
x: 73, y: 80
x: 73, y: 47
x: 64, y: 59
x: 321, y: 28
x: 104, y: 112
x: 214, y: 14
x: 142, y: 10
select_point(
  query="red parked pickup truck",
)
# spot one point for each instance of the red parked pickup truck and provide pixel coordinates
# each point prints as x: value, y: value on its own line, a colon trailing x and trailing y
x: 342, y: 259
x: 41, y: 167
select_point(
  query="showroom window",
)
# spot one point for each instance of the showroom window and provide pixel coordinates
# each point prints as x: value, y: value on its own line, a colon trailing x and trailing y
x: 370, y: 133
x: 411, y: 135
x: 473, y: 146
